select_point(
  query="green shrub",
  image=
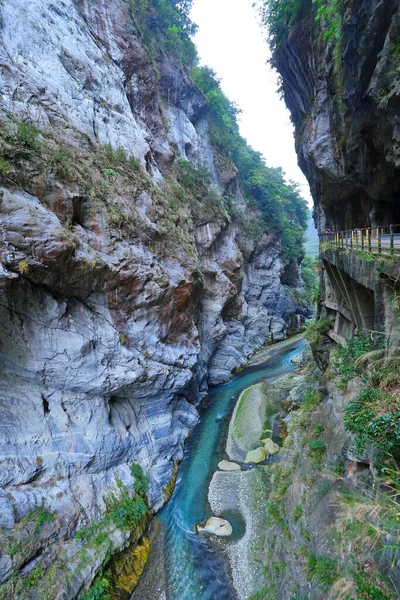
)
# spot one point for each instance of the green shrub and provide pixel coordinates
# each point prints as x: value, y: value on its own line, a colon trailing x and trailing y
x: 311, y: 400
x: 297, y: 512
x: 345, y: 359
x: 370, y: 585
x: 127, y: 512
x: 27, y: 136
x: 141, y: 481
x: 40, y: 516
x: 100, y: 590
x: 34, y: 577
x: 323, y: 569
x: 338, y: 468
x: 374, y: 418
x: 166, y: 27
x: 279, y: 16
x: 317, y: 445
x: 317, y: 451
x: 317, y: 328
x: 4, y: 167
x: 318, y: 429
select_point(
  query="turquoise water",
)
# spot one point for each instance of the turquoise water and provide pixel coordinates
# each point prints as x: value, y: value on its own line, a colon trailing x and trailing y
x: 195, y: 570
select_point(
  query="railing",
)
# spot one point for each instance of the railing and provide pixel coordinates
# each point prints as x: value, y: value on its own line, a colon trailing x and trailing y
x: 381, y: 240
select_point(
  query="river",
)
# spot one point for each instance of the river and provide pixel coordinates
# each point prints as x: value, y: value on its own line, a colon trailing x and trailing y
x: 195, y: 569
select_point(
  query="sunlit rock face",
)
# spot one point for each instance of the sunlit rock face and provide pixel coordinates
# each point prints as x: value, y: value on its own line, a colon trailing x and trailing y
x: 116, y: 310
x: 344, y: 103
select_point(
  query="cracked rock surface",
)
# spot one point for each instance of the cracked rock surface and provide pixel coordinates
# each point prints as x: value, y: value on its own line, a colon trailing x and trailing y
x: 116, y: 310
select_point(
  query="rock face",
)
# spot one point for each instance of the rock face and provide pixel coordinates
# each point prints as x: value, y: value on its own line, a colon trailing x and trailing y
x: 119, y: 302
x: 343, y: 96
x: 343, y: 92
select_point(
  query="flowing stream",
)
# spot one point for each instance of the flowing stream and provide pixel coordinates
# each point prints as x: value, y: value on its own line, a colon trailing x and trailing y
x: 195, y: 570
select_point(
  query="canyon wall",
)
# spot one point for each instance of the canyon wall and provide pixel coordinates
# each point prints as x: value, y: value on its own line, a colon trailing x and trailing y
x: 123, y: 293
x: 339, y: 64
x: 335, y: 487
x: 340, y: 83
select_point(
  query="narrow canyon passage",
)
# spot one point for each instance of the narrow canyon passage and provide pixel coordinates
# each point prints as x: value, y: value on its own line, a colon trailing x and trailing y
x: 195, y: 568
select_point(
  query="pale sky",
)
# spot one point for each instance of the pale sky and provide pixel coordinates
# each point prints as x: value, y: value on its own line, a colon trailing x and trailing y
x: 232, y: 43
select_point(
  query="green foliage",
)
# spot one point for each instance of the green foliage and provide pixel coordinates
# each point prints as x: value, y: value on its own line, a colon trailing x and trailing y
x: 323, y: 569
x: 309, y: 274
x: 23, y: 267
x: 329, y: 13
x: 166, y: 27
x: 311, y: 400
x: 317, y: 446
x: 195, y: 189
x: 195, y: 179
x: 369, y: 584
x: 33, y: 578
x: 317, y: 328
x: 297, y: 512
x: 345, y: 359
x: 100, y: 590
x: 374, y: 418
x: 26, y: 135
x: 281, y: 206
x: 40, y: 516
x: 338, y: 467
x: 116, y: 157
x: 141, y: 481
x: 317, y: 449
x: 279, y: 16
x: 318, y: 429
x: 20, y: 140
x: 125, y: 510
x: 4, y: 167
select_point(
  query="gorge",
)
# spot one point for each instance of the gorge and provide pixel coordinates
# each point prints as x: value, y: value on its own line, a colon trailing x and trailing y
x: 148, y: 260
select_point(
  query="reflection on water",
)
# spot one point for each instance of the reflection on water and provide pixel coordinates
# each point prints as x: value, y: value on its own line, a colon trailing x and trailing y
x: 195, y: 569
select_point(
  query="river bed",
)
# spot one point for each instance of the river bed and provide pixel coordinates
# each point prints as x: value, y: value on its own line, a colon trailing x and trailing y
x: 193, y: 568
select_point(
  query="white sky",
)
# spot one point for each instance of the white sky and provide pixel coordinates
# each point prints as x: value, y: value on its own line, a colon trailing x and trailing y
x: 232, y: 43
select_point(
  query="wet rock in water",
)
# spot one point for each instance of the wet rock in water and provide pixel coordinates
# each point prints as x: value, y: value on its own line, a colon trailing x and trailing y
x: 256, y: 456
x: 227, y: 465
x: 270, y: 446
x: 217, y: 526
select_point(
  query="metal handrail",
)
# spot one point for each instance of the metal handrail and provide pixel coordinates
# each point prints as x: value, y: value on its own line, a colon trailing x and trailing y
x: 384, y: 239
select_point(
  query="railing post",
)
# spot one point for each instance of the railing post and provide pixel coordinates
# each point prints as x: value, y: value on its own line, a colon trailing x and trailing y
x: 369, y: 239
x: 352, y: 239
x: 362, y: 239
x: 391, y: 239
x: 379, y: 240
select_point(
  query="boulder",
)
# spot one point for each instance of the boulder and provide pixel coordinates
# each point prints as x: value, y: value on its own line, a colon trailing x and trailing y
x: 270, y: 446
x: 217, y: 526
x: 256, y: 456
x: 227, y: 465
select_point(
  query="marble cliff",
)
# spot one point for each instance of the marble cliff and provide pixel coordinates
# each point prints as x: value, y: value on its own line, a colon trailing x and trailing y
x: 121, y: 301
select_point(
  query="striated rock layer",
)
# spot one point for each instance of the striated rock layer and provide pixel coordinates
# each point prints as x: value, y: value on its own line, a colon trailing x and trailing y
x: 343, y: 93
x: 119, y: 302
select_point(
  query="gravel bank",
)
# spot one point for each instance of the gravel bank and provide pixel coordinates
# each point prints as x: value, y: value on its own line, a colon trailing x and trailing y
x: 152, y: 584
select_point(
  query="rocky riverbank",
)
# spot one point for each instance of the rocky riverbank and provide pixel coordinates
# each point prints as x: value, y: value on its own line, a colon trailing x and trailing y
x: 245, y: 491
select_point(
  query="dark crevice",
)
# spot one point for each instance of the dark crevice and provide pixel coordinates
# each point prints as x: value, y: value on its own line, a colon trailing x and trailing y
x: 46, y: 406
